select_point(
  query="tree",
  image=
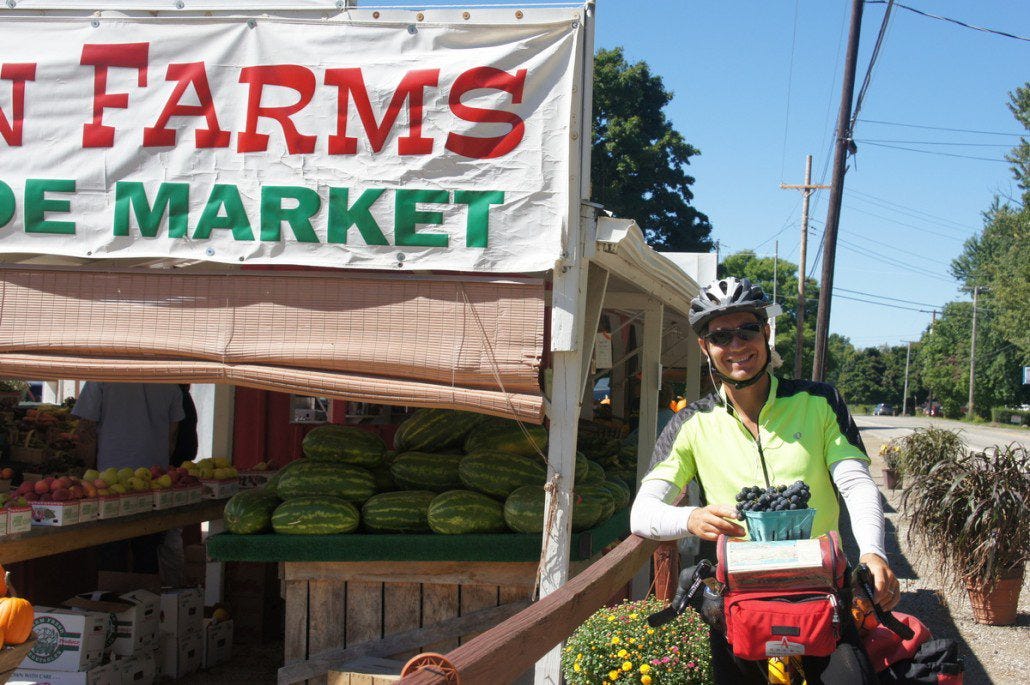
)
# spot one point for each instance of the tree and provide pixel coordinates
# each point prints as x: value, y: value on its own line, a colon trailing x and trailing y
x: 638, y: 158
x: 760, y: 270
x: 1019, y: 105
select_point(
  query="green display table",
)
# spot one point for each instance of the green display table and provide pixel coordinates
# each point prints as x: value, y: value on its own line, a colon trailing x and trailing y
x: 428, y: 547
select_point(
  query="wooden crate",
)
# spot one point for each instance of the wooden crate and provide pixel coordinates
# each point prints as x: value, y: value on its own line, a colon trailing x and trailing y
x: 338, y: 604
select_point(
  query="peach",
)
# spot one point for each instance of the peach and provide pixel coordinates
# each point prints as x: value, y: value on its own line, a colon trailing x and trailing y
x: 41, y: 487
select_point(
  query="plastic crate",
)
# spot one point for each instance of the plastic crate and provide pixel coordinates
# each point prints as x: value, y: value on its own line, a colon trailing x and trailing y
x: 768, y: 526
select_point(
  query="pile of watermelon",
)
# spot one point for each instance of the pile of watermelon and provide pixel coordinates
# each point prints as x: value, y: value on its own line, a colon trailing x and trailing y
x: 451, y: 473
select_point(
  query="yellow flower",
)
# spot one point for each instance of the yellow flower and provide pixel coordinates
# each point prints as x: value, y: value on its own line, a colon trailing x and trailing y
x: 616, y: 640
x: 644, y: 668
x: 646, y: 680
x: 650, y: 631
x: 611, y: 618
x: 632, y: 640
x: 633, y: 616
x: 627, y: 666
x: 614, y: 675
x: 579, y: 656
x: 576, y: 667
x: 623, y: 653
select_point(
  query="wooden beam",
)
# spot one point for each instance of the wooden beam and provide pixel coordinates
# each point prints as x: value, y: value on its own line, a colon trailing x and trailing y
x: 502, y: 653
x: 624, y: 300
x: 647, y: 433
x: 597, y: 285
x: 521, y: 573
x: 320, y: 663
x: 44, y: 541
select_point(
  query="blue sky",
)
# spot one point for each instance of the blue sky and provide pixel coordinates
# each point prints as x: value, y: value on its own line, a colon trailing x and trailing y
x: 757, y: 87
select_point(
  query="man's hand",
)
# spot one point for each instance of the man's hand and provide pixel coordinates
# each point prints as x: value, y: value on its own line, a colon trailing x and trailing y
x: 888, y: 589
x: 708, y: 522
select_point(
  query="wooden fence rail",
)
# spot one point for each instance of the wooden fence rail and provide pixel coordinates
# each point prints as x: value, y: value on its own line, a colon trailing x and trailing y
x: 506, y: 651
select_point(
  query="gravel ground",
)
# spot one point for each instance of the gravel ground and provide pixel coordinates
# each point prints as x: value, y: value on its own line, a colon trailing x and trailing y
x: 992, y: 654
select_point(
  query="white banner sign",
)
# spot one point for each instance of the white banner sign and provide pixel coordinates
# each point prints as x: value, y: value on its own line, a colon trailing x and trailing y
x: 288, y: 141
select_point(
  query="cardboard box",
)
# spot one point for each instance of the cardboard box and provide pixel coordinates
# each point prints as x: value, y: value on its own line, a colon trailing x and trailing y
x: 144, y: 502
x: 182, y: 611
x: 164, y: 499
x: 138, y: 669
x: 109, y: 507
x: 181, y: 654
x: 217, y: 642
x: 194, y: 494
x: 136, y: 617
x: 89, y: 509
x: 181, y: 497
x: 55, y: 513
x: 66, y: 640
x: 19, y: 520
x: 220, y: 489
x: 254, y: 479
x: 3, y: 522
x: 127, y: 504
x: 98, y: 675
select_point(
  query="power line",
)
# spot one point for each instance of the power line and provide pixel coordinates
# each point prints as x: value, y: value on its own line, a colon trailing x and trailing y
x: 902, y: 223
x: 884, y: 304
x: 896, y: 249
x: 790, y: 78
x: 902, y: 209
x: 872, y: 141
x: 869, y: 69
x: 934, y: 152
x: 865, y: 252
x: 893, y: 299
x: 940, y: 128
x: 953, y: 21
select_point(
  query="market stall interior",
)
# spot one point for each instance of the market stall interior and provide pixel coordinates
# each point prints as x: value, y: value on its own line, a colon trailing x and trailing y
x: 413, y: 423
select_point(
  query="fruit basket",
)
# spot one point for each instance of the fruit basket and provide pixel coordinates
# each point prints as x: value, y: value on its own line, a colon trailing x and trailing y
x: 768, y: 526
x: 11, y: 657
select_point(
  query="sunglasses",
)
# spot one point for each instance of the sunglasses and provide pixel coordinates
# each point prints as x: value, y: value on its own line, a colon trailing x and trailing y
x: 747, y: 333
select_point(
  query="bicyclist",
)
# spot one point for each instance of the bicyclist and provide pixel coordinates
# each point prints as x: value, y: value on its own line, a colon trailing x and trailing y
x: 758, y: 430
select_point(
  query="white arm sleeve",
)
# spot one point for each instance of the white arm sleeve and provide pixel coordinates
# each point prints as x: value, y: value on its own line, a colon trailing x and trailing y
x: 856, y: 486
x: 653, y: 515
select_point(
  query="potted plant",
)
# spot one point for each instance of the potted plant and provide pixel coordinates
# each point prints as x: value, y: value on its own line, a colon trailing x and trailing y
x: 11, y: 392
x: 967, y: 509
x: 615, y: 645
x: 890, y: 452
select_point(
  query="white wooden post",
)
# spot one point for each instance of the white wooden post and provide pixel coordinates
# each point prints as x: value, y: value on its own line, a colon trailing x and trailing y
x: 647, y: 429
x: 215, y: 412
x: 618, y: 384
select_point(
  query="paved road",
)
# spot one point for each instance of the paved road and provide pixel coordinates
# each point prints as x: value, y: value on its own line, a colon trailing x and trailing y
x: 977, y: 437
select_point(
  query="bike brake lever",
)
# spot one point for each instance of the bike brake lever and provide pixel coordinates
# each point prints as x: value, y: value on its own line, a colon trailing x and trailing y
x: 684, y: 596
x: 864, y: 579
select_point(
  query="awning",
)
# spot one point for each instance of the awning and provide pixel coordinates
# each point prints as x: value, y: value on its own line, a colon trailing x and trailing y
x: 428, y: 341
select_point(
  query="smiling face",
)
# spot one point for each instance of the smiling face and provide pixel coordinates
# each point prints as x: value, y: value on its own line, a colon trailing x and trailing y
x: 738, y: 359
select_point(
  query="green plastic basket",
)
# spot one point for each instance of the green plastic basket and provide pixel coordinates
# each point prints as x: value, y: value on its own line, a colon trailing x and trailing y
x: 768, y: 526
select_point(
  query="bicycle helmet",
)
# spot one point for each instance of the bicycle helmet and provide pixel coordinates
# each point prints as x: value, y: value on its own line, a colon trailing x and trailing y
x: 727, y: 296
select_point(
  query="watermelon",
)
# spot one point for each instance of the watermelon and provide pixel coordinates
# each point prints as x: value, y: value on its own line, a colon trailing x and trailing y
x: 502, y: 435
x: 498, y: 473
x: 595, y: 474
x: 343, y: 444
x: 315, y: 516
x: 250, y: 511
x: 434, y: 430
x: 398, y: 512
x: 619, y: 491
x: 590, y: 496
x: 460, y: 512
x: 524, y: 509
x: 272, y: 485
x: 384, y: 481
x: 426, y: 471
x: 313, y: 478
x: 582, y: 467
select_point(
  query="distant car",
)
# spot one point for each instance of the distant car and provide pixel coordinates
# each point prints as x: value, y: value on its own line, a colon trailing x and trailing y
x: 883, y: 410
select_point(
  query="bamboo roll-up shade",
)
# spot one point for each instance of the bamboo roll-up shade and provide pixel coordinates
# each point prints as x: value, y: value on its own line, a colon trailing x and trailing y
x: 418, y: 341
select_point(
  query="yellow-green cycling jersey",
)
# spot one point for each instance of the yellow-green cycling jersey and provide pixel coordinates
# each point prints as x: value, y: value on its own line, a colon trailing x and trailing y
x: 803, y: 429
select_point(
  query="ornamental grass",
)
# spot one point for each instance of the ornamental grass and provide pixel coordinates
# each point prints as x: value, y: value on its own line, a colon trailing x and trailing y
x: 615, y: 645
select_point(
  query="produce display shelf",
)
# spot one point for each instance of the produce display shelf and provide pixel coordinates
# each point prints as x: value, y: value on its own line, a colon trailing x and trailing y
x: 427, y: 547
x: 43, y: 541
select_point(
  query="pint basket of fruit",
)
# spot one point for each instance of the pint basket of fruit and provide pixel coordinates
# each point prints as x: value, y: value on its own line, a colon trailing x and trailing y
x: 779, y: 512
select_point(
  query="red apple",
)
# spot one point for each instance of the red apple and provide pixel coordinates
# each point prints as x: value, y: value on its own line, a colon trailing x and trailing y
x: 25, y: 488
x: 41, y: 487
x: 62, y: 483
x: 156, y: 472
x: 31, y: 497
x: 77, y: 492
x: 101, y: 484
x: 61, y: 495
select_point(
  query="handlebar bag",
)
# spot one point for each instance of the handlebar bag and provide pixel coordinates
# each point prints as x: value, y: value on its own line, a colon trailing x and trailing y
x: 760, y: 625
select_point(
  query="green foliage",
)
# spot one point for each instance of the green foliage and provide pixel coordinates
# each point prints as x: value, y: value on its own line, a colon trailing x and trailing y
x: 616, y: 645
x: 1007, y: 416
x: 967, y: 510
x: 944, y: 361
x: 1019, y: 105
x: 638, y: 158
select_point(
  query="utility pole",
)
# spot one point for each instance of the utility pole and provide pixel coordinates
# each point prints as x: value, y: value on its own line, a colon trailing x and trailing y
x: 904, y: 393
x: 806, y: 192
x: 844, y: 143
x: 776, y: 271
x: 972, y: 354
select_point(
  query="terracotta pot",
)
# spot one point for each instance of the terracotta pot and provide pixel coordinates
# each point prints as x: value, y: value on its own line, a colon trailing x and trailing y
x: 891, y: 478
x: 998, y: 607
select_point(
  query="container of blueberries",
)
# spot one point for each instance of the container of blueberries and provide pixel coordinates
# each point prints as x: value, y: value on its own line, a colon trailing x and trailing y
x: 779, y: 512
